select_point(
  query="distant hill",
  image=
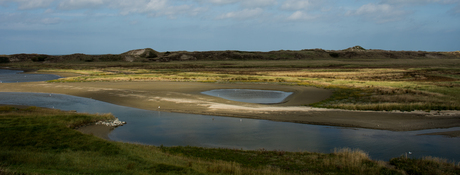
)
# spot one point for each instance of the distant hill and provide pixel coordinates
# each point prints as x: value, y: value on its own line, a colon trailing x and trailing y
x: 150, y: 55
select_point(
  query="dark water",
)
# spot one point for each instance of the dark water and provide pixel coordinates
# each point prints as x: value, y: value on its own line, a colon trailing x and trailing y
x: 15, y: 76
x: 250, y: 95
x: 170, y: 129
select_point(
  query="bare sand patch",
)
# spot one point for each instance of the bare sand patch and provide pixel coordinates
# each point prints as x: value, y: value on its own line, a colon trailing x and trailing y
x: 186, y: 97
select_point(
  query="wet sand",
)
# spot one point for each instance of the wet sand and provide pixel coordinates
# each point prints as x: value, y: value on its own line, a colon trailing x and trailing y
x: 186, y: 97
x: 447, y: 134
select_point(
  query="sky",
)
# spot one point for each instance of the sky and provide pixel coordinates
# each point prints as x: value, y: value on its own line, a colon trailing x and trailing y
x: 115, y: 26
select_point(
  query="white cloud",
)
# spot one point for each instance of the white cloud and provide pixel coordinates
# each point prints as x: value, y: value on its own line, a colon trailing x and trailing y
x: 148, y: 7
x: 300, y: 15
x: 50, y: 21
x: 243, y: 14
x: 379, y: 13
x: 80, y: 4
x: 139, y: 6
x: 152, y: 8
x: 219, y: 2
x: 244, y: 3
x: 419, y: 1
x: 156, y: 8
x: 25, y: 19
x: 299, y: 4
x: 29, y: 4
x: 258, y: 3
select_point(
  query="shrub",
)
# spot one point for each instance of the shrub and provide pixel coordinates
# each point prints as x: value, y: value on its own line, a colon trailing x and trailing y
x: 40, y: 58
x: 4, y: 60
x: 334, y: 55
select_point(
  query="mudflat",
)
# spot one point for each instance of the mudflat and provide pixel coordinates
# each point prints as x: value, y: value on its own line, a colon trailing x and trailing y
x: 186, y: 97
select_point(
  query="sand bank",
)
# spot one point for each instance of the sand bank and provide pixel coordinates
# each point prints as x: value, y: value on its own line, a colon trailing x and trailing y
x: 186, y: 97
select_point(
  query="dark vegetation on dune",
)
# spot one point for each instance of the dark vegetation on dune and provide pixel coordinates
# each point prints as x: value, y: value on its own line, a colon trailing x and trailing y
x: 150, y: 55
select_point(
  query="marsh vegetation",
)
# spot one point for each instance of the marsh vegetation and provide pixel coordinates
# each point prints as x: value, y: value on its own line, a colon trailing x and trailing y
x: 359, y: 84
x: 42, y: 141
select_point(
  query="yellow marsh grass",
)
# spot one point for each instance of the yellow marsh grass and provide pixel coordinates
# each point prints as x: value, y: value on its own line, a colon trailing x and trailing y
x: 351, y: 159
x: 390, y: 86
x: 356, y: 74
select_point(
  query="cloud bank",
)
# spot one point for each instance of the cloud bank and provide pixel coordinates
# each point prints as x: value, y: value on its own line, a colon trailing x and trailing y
x: 245, y: 23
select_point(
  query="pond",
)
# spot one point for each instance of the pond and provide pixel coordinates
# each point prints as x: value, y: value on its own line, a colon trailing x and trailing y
x: 250, y: 95
x: 16, y: 76
x: 172, y: 129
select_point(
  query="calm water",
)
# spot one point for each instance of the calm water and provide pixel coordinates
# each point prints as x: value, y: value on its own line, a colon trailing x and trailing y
x: 15, y: 76
x: 170, y: 129
x: 250, y: 95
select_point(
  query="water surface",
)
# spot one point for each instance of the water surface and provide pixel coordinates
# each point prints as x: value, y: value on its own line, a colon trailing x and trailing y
x: 16, y: 76
x: 172, y: 129
x: 250, y: 95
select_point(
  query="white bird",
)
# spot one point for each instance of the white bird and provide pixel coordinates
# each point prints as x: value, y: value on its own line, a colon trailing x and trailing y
x: 241, y: 120
x: 158, y: 107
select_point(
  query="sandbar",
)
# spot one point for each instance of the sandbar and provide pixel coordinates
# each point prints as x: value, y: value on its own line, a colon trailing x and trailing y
x: 186, y: 97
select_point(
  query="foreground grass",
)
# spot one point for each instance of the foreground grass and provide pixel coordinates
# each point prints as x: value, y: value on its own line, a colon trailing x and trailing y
x: 42, y: 141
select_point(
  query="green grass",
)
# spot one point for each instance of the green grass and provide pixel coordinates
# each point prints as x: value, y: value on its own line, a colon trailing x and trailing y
x: 340, y: 162
x: 42, y: 141
x: 425, y: 166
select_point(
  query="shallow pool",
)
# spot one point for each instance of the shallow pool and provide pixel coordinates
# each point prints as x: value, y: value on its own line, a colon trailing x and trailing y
x: 250, y: 95
x: 171, y: 129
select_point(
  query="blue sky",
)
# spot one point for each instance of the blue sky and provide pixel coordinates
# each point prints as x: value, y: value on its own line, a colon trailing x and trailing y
x: 116, y: 26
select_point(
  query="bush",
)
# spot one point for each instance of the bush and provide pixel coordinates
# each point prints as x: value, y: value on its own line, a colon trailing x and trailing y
x: 4, y: 60
x: 40, y: 58
x: 334, y: 55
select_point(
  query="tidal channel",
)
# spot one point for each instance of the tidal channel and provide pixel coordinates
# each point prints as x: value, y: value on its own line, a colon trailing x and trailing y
x: 176, y: 129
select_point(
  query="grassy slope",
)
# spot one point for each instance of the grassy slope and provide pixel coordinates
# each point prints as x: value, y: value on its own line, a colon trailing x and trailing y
x: 41, y: 141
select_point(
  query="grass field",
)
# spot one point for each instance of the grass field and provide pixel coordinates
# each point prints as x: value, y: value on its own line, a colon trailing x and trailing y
x: 43, y: 141
x: 358, y: 84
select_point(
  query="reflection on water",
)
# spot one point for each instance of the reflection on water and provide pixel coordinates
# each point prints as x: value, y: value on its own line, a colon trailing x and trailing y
x: 169, y: 129
x: 14, y: 76
x: 250, y: 95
